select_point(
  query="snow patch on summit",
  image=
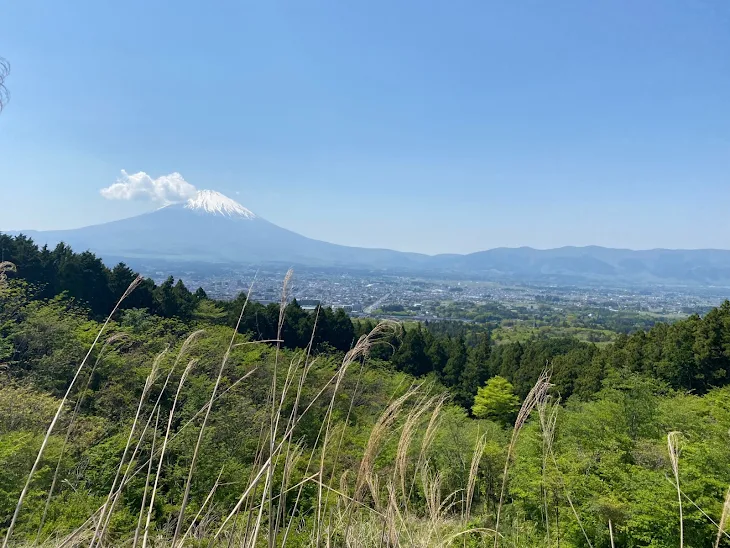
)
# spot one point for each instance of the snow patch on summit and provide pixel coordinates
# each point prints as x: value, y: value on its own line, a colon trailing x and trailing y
x: 210, y: 201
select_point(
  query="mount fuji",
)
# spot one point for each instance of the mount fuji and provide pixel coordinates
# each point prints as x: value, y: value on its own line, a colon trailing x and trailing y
x: 211, y: 227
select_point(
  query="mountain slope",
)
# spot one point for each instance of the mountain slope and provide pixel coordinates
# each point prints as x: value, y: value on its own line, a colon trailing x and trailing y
x: 700, y: 266
x: 214, y: 228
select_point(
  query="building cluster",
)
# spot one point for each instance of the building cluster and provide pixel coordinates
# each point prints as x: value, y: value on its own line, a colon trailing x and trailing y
x: 382, y: 294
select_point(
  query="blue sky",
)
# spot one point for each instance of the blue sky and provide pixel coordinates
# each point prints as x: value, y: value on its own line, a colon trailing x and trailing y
x: 415, y: 125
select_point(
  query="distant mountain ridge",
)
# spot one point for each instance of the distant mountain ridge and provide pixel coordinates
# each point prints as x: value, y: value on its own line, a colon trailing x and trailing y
x: 566, y: 264
x: 214, y: 228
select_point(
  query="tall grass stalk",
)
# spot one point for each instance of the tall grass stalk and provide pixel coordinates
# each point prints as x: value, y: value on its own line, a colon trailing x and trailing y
x: 359, y: 350
x: 275, y: 409
x: 365, y: 475
x: 210, y: 496
x: 723, y: 518
x: 378, y: 433
x: 265, y: 496
x: 69, y: 429
x: 61, y: 405
x: 146, y: 482
x: 548, y: 414
x: 431, y: 485
x: 292, y: 448
x: 547, y: 410
x: 436, y: 505
x: 275, y: 413
x: 362, y: 347
x: 170, y: 418
x: 343, y: 429
x: 700, y: 510
x: 673, y: 445
x: 188, y: 482
x: 156, y: 406
x: 428, y: 437
x: 294, y: 452
x: 408, y: 432
x: 481, y: 444
x: 610, y: 532
x: 125, y: 480
x: 149, y: 382
x: 534, y: 397
x: 293, y: 419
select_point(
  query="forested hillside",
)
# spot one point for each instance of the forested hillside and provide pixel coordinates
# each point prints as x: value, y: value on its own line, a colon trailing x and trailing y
x: 693, y: 354
x: 304, y: 428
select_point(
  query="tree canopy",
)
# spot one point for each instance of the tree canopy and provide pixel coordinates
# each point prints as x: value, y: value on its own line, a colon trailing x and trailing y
x: 496, y: 400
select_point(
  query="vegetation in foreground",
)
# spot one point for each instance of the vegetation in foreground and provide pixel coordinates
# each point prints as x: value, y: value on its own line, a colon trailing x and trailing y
x: 184, y: 431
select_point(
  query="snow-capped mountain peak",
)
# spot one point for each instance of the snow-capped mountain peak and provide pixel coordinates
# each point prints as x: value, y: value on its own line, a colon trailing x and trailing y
x: 210, y: 201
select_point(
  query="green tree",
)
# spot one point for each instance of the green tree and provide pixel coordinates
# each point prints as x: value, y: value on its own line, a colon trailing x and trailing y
x: 475, y: 371
x: 208, y: 311
x: 411, y: 357
x: 456, y: 363
x: 174, y: 299
x: 496, y: 400
x: 343, y: 333
x: 438, y: 354
x: 185, y: 300
x: 297, y: 328
x: 119, y: 279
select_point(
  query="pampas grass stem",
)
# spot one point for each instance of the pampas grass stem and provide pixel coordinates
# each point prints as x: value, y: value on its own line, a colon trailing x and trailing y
x: 61, y: 405
x: 535, y: 396
x: 170, y: 417
x: 146, y: 482
x: 673, y: 445
x: 186, y: 495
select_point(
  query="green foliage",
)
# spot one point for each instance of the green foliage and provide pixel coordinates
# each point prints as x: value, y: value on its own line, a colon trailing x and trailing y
x: 496, y: 400
x: 208, y: 311
x: 22, y: 408
x: 693, y: 354
x: 606, y: 459
x: 475, y: 372
x: 456, y: 363
x: 412, y: 356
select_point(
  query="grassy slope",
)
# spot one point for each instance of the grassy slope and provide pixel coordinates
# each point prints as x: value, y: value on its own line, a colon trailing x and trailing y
x: 345, y: 452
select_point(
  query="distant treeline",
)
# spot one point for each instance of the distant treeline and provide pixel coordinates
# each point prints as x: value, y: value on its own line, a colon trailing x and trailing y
x: 690, y: 355
x: 85, y: 278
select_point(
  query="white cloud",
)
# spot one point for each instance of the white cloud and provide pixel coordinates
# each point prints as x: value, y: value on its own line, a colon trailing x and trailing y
x: 165, y: 190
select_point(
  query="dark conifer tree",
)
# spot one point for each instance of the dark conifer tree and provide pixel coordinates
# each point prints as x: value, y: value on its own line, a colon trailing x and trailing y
x: 456, y: 363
